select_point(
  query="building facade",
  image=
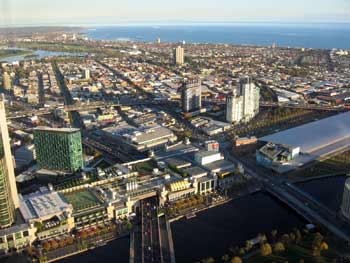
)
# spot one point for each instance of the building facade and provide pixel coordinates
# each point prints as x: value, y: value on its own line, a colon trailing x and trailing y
x: 243, y: 104
x: 58, y: 149
x: 192, y: 96
x: 8, y: 190
x: 179, y: 55
x: 234, y: 108
x: 6, y: 78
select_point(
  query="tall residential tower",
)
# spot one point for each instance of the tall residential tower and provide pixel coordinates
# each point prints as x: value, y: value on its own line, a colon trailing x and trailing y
x: 179, y: 55
x: 243, y: 105
x: 8, y: 189
x: 192, y: 96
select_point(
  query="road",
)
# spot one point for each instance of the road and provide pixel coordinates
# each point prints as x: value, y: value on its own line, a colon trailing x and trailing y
x: 151, y: 251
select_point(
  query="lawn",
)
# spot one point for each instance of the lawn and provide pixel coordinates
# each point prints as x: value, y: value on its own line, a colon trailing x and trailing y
x: 336, y: 164
x: 82, y: 200
x: 297, y: 252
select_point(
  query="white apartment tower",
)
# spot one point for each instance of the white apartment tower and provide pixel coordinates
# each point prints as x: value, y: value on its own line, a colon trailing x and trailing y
x: 243, y: 105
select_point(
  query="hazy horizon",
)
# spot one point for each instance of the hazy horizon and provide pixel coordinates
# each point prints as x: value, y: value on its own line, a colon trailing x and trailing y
x: 112, y: 12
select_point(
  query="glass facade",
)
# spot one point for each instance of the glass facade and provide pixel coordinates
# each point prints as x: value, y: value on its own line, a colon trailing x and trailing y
x: 6, y: 205
x: 58, y: 150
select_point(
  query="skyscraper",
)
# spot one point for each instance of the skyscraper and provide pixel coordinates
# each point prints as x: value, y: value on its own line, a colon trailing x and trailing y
x: 192, y: 96
x: 8, y: 189
x: 58, y: 149
x: 179, y: 55
x: 6, y: 78
x: 245, y: 105
x: 234, y: 108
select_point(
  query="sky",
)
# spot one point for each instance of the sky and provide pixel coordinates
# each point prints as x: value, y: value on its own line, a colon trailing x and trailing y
x: 85, y: 12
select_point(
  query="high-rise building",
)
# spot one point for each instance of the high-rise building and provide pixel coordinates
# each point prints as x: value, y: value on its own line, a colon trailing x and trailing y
x: 179, y: 55
x: 243, y: 105
x: 6, y: 78
x: 8, y: 189
x: 58, y: 149
x: 234, y: 108
x: 158, y: 40
x: 86, y: 74
x: 192, y: 96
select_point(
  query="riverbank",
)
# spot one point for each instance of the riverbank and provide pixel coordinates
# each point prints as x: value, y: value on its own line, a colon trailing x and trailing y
x: 9, y: 53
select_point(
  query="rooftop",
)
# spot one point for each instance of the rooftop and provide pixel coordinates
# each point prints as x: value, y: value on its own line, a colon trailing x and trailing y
x: 64, y: 130
x: 42, y: 204
x: 314, y: 136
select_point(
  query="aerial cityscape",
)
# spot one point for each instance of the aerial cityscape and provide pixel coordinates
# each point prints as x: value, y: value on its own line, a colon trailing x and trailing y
x: 180, y: 132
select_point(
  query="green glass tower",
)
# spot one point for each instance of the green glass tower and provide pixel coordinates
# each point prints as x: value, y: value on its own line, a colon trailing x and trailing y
x: 8, y: 190
x: 58, y: 149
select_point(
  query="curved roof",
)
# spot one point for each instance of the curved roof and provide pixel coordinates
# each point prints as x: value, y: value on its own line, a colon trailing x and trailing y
x: 316, y: 135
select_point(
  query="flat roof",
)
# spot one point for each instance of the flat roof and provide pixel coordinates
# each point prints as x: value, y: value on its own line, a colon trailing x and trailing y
x: 314, y: 136
x: 42, y: 204
x: 178, y: 162
x: 50, y: 129
x: 195, y: 171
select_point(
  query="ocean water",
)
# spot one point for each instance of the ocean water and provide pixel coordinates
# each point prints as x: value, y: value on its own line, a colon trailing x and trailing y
x: 325, y: 36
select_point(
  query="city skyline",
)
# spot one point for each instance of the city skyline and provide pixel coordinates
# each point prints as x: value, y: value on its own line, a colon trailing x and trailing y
x: 39, y: 12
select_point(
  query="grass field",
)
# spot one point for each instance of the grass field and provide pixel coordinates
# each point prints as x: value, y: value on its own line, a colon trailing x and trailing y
x: 82, y: 200
x: 301, y: 252
x: 336, y: 164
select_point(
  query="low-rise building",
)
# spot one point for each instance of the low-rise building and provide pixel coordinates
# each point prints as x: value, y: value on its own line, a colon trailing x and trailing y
x: 276, y: 154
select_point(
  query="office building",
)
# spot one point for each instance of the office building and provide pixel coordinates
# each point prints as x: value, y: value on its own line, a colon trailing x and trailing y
x: 8, y: 190
x: 243, y: 104
x: 58, y: 149
x: 192, y: 96
x: 179, y: 55
x: 7, y: 83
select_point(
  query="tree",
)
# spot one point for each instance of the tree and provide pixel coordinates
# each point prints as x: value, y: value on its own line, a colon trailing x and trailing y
x: 274, y: 233
x: 324, y: 246
x: 285, y: 239
x: 70, y: 240
x: 316, y: 243
x: 208, y: 260
x: 62, y: 243
x: 46, y: 246
x: 54, y: 244
x: 266, y: 249
x: 298, y: 236
x: 236, y: 260
x: 279, y: 247
x: 225, y: 258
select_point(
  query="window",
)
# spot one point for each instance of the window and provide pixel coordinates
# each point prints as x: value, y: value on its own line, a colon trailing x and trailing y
x: 25, y: 233
x: 18, y: 235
